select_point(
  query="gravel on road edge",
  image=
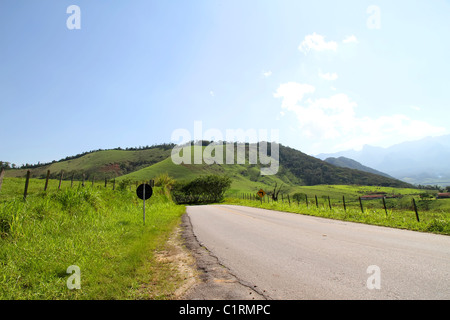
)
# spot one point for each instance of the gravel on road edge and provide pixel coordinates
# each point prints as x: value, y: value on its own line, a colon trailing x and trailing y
x: 216, y: 282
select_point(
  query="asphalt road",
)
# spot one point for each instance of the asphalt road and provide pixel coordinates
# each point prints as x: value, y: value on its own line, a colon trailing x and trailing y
x: 290, y: 256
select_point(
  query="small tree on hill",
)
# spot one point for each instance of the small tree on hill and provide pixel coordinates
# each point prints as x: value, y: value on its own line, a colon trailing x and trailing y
x: 276, y: 191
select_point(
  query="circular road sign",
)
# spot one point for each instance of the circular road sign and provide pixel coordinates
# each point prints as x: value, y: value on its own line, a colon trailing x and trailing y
x: 148, y: 191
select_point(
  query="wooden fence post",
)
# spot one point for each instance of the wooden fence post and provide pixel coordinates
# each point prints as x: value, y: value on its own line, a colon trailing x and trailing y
x: 329, y: 202
x: 106, y: 182
x: 71, y: 180
x: 25, y: 192
x: 46, y: 180
x: 415, y: 209
x: 384, y: 205
x: 2, y: 174
x: 60, y: 179
x: 307, y: 204
x: 82, y: 182
x: 360, y: 204
x: 343, y: 201
x: 317, y: 202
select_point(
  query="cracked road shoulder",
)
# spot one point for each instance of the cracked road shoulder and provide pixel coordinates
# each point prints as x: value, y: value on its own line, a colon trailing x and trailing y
x: 216, y: 281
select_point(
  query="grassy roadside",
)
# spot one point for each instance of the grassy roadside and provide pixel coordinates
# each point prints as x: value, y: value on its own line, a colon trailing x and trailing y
x: 99, y: 230
x: 435, y: 222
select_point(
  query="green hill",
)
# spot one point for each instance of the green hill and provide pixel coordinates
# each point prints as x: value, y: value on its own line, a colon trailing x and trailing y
x: 296, y: 169
x: 100, y: 164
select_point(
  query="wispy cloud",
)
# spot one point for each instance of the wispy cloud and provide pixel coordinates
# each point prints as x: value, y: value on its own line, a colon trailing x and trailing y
x: 267, y: 74
x: 350, y: 39
x: 328, y: 76
x: 335, y: 119
x: 211, y: 93
x: 316, y: 42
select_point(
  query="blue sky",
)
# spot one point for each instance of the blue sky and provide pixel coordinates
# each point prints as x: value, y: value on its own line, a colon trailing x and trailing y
x: 328, y: 75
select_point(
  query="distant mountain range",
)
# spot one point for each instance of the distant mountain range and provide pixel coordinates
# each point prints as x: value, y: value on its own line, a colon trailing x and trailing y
x: 344, y: 162
x: 425, y: 161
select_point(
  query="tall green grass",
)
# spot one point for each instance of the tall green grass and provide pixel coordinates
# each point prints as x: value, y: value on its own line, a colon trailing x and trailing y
x: 97, y: 229
x: 430, y: 221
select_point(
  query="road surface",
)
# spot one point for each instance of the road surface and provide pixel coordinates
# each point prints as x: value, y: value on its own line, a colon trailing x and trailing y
x: 290, y: 256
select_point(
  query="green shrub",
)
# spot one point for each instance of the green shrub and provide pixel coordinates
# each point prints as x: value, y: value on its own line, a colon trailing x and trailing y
x: 204, y: 189
x: 438, y: 225
x: 299, y: 197
x: 165, y: 181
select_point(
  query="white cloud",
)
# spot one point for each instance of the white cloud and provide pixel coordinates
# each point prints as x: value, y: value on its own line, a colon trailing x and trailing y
x: 328, y: 76
x: 350, y: 39
x: 211, y: 93
x: 292, y: 93
x: 334, y: 121
x: 316, y: 42
x: 267, y: 74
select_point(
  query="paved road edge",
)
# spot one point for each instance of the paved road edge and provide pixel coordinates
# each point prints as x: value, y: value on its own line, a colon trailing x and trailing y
x: 217, y: 282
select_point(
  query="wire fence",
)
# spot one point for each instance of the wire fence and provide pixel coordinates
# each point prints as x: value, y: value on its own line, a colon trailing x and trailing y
x: 69, y: 183
x: 325, y: 201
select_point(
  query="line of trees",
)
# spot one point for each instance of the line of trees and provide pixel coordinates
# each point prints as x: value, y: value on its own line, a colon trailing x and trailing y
x: 9, y: 165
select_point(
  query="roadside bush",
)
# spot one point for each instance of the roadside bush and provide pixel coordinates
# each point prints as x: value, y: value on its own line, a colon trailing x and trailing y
x: 439, y: 225
x: 165, y: 181
x: 124, y: 184
x: 299, y: 197
x: 204, y: 189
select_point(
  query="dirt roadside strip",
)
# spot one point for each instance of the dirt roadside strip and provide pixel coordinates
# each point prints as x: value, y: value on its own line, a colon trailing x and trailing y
x: 205, y: 277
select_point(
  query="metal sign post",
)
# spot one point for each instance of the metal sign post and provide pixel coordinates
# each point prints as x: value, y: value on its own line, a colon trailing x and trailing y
x: 144, y: 192
x: 144, y: 205
x: 261, y: 194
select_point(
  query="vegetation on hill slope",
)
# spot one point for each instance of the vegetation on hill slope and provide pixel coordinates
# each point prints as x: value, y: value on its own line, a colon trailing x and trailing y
x: 296, y: 168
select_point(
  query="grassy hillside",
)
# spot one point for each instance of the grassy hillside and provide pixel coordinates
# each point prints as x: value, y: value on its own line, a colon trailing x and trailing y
x: 101, y: 164
x: 312, y: 171
x: 97, y: 229
x: 296, y: 169
x: 244, y: 176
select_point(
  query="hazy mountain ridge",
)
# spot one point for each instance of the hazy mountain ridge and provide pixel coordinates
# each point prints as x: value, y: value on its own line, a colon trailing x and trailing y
x: 352, y: 164
x: 425, y: 161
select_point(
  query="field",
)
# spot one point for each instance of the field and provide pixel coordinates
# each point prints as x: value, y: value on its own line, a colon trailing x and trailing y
x: 101, y: 230
x: 98, y: 229
x: 434, y: 215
